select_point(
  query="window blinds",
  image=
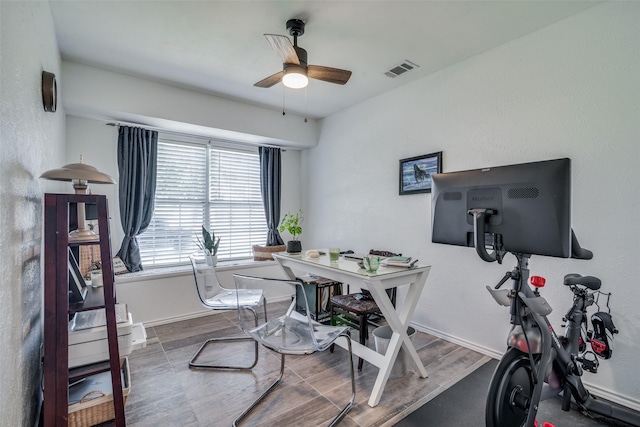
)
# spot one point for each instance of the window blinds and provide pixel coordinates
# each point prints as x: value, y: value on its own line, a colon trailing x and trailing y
x: 203, y: 184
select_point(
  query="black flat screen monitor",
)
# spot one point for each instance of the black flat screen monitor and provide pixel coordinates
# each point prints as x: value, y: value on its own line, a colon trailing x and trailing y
x: 528, y: 207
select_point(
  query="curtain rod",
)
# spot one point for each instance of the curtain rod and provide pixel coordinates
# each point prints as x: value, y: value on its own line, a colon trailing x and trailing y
x: 172, y: 132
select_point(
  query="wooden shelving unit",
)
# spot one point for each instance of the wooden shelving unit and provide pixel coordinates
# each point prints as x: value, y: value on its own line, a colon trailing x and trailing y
x: 59, y: 211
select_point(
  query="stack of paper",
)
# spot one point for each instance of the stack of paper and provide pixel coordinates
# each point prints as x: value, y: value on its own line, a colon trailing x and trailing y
x: 94, y: 318
x: 399, y: 261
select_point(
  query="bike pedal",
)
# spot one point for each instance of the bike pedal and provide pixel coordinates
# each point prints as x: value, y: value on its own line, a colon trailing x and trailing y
x: 602, y: 338
x: 598, y: 346
x: 590, y: 365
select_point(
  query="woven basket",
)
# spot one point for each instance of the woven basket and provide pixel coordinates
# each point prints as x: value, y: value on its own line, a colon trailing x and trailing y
x: 92, y: 410
x: 264, y: 253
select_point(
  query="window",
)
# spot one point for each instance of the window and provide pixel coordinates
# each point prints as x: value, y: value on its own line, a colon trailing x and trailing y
x: 204, y: 183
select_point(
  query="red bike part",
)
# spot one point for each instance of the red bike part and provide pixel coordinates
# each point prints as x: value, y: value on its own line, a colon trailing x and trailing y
x: 538, y: 281
x: 598, y: 346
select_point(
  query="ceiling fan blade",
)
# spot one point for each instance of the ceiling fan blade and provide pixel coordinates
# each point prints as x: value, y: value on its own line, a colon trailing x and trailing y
x: 283, y: 47
x: 328, y: 74
x: 271, y: 80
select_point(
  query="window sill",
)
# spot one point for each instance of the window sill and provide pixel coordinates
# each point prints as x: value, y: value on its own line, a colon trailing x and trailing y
x: 162, y: 273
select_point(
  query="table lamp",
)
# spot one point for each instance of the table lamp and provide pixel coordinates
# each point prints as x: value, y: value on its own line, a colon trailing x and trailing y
x: 80, y: 175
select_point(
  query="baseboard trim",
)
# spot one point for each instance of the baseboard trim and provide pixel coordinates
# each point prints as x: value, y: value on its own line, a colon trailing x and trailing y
x: 464, y: 343
x: 197, y: 314
x: 180, y: 318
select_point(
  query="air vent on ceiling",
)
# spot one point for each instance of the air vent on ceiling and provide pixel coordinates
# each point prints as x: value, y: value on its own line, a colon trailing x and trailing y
x: 402, y: 68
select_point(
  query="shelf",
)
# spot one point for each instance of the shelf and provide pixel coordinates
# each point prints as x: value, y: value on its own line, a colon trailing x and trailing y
x: 59, y: 217
x: 83, y: 371
x: 93, y: 300
x: 93, y: 243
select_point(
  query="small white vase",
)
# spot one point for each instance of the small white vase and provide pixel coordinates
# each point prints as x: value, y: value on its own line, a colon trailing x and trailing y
x: 212, y: 260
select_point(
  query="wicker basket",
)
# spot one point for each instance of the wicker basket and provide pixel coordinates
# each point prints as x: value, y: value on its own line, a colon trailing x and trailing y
x: 264, y: 253
x: 92, y: 410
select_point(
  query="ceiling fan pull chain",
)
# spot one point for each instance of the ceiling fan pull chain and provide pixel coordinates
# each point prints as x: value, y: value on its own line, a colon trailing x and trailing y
x: 283, y: 100
x: 305, y: 104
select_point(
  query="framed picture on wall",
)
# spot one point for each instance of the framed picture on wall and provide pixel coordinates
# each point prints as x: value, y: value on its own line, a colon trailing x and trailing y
x: 415, y: 173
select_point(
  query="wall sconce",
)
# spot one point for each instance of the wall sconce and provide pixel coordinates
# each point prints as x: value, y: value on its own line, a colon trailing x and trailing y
x: 80, y: 175
x: 49, y: 92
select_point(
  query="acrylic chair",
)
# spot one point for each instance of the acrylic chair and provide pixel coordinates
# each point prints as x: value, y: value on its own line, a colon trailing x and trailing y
x: 226, y: 299
x: 291, y: 334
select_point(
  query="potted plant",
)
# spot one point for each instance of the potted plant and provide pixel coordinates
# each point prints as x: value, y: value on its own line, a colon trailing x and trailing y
x: 209, y: 245
x: 291, y: 223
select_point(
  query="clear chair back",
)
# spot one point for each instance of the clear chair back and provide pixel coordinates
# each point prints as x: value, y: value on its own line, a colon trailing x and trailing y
x: 205, y: 279
x: 292, y: 332
x: 213, y: 295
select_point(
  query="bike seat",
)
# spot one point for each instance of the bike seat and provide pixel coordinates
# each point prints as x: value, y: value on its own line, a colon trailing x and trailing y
x: 590, y: 282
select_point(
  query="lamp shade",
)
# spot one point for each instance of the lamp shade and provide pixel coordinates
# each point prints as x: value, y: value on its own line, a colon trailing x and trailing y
x: 80, y: 176
x: 80, y: 172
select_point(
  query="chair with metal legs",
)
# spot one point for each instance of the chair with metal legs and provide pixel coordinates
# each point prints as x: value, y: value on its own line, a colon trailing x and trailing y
x: 291, y: 334
x: 226, y: 299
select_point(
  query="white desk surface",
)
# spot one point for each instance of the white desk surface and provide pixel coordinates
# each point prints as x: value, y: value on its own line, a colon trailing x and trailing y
x: 348, y: 266
x: 348, y: 271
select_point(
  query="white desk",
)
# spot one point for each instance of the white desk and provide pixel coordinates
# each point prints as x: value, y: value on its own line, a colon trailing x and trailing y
x: 348, y: 271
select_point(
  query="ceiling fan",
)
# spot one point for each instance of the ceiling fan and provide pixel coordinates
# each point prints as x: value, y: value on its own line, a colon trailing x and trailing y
x: 295, y: 71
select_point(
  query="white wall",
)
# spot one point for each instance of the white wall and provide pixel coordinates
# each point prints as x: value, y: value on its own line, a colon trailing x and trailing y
x: 31, y: 142
x: 173, y: 297
x: 568, y: 90
x: 97, y: 143
x: 98, y: 94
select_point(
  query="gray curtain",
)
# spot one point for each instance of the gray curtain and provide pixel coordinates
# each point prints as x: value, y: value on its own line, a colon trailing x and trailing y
x: 137, y: 161
x: 270, y: 176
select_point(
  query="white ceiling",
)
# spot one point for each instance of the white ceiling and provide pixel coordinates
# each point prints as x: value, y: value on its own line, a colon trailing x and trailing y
x: 217, y: 47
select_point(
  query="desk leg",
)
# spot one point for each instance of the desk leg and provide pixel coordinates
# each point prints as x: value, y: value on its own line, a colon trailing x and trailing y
x: 407, y: 310
x: 398, y: 321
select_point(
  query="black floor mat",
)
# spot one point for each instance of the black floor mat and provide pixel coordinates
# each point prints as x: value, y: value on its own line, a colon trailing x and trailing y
x: 463, y: 405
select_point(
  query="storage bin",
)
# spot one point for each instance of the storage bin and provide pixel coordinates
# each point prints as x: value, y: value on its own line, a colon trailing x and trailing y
x: 265, y: 253
x: 382, y: 337
x: 319, y: 291
x: 96, y: 405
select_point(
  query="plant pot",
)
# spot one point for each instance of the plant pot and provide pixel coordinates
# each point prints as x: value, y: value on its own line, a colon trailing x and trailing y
x: 212, y: 260
x: 294, y: 246
x: 264, y: 253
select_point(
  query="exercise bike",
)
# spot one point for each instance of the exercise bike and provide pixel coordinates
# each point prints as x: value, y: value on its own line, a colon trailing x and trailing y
x: 540, y: 364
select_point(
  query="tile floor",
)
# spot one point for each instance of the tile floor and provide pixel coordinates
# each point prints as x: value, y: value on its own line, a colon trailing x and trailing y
x: 165, y: 392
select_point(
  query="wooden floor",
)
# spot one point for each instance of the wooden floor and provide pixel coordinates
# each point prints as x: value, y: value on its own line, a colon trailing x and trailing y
x: 165, y: 392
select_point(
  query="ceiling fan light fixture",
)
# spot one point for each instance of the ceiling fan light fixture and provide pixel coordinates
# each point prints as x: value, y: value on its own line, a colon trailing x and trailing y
x: 295, y: 76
